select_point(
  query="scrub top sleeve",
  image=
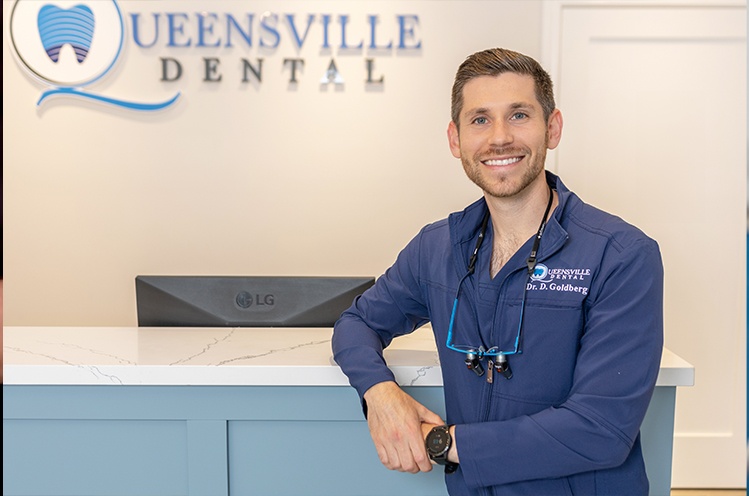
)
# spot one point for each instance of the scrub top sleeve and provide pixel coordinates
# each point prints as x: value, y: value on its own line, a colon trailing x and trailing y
x: 393, y: 307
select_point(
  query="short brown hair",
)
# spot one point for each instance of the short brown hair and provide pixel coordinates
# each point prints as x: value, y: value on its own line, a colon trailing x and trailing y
x: 496, y: 61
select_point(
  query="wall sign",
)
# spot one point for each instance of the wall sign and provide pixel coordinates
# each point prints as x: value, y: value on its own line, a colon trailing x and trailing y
x: 69, y: 45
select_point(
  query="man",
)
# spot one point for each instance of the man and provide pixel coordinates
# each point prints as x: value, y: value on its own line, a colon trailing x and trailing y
x: 547, y: 314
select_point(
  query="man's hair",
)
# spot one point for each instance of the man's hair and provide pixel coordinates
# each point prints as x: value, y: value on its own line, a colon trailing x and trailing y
x: 496, y: 61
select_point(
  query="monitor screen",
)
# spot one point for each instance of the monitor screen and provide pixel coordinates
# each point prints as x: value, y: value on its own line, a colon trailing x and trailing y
x: 244, y: 301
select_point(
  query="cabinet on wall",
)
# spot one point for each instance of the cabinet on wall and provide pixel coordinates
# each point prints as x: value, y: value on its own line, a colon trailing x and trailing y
x: 133, y: 411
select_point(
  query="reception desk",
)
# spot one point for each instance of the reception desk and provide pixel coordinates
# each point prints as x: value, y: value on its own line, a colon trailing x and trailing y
x: 223, y: 411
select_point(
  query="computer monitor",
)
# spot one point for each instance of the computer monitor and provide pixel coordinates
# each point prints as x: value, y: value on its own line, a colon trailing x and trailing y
x: 244, y: 301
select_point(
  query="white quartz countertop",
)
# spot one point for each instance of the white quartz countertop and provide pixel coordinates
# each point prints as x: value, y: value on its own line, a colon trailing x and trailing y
x: 245, y: 356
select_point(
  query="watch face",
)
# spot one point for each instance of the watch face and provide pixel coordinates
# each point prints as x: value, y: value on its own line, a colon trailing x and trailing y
x: 437, y: 441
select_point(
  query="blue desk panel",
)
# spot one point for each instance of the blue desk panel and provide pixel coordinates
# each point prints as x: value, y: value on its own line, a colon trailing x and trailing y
x: 69, y: 440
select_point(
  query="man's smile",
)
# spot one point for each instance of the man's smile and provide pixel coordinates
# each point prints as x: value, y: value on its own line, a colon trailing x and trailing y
x: 501, y: 162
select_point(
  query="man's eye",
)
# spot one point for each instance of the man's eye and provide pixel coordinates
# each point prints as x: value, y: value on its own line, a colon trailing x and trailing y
x: 518, y: 116
x: 480, y: 120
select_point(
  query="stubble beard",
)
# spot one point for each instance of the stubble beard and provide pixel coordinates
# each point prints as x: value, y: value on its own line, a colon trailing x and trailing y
x: 503, y: 185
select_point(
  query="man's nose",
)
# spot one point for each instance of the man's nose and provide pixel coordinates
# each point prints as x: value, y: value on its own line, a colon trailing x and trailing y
x: 500, y: 134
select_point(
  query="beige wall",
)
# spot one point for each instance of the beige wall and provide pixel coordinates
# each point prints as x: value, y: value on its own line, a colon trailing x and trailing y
x: 237, y: 178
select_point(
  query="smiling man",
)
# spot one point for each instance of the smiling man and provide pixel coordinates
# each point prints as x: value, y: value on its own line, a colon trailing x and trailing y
x: 541, y: 393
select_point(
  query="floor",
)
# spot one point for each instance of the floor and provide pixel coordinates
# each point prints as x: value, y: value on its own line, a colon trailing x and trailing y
x: 708, y: 492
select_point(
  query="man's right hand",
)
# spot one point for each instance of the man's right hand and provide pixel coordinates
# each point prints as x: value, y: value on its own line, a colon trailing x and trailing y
x: 395, y: 420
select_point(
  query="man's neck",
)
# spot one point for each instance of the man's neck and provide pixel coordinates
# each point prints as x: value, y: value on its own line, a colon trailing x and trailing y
x: 516, y: 219
x: 520, y: 215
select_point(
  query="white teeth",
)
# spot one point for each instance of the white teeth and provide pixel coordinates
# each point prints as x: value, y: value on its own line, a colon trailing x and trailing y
x: 506, y: 161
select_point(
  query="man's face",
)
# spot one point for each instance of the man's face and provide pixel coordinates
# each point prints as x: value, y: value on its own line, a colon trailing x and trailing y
x: 503, y: 135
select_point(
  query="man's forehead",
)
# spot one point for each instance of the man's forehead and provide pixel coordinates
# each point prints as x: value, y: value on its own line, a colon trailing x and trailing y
x: 508, y: 89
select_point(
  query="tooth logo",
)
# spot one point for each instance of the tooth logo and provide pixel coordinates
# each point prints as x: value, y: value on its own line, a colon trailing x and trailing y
x: 58, y: 27
x: 540, y: 273
x: 70, y: 44
x: 67, y: 43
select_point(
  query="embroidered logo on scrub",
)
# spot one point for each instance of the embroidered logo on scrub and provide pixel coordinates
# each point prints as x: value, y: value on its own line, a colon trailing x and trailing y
x: 565, y: 280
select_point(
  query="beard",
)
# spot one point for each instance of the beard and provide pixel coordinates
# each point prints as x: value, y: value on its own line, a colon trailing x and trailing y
x: 505, y: 185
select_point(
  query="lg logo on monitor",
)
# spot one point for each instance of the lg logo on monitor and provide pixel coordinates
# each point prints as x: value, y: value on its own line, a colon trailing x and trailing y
x: 246, y: 300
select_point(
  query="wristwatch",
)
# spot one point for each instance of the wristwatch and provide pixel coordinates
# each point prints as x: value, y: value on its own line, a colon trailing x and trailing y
x: 438, y: 443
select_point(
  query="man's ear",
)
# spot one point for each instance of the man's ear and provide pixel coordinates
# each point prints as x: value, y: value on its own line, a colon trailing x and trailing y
x: 554, y: 128
x: 453, y: 139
